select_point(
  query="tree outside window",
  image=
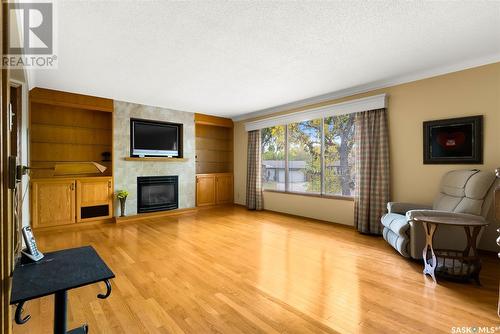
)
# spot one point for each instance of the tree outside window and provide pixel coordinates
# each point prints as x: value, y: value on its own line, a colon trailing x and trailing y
x: 273, y: 158
x: 304, y: 145
x: 339, y: 155
x: 304, y: 156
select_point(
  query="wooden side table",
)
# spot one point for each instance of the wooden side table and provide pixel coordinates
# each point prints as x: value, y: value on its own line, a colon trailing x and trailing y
x: 454, y: 264
x: 497, y: 218
x: 498, y: 308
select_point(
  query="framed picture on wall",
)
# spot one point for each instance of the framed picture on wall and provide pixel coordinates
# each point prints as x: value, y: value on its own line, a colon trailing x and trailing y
x: 454, y: 141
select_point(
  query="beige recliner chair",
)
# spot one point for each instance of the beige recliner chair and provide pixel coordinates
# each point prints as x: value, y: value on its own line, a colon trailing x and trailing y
x: 464, y: 193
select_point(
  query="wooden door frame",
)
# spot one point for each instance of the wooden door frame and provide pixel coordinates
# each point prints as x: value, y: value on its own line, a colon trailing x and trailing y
x: 6, y: 222
x: 16, y: 95
x: 16, y: 100
x: 6, y: 228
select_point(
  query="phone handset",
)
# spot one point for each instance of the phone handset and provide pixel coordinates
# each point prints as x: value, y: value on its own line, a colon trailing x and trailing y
x: 31, y: 251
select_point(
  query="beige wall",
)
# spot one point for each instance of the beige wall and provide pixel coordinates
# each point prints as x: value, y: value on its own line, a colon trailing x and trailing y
x: 470, y: 92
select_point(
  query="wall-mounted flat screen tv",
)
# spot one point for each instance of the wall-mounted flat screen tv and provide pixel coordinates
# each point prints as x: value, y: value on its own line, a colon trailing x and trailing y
x: 155, y: 139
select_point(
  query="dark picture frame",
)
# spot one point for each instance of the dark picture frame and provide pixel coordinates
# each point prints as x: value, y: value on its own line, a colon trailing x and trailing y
x: 454, y: 141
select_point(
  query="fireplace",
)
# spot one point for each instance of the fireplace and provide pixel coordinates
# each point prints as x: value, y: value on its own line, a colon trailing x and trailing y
x: 157, y: 193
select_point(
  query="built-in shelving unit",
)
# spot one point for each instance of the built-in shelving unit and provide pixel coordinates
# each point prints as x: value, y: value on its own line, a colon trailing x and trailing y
x: 65, y: 129
x: 214, y: 147
x: 214, y: 160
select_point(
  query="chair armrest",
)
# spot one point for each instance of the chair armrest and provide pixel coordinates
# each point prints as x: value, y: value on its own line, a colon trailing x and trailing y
x: 412, y: 214
x: 402, y: 207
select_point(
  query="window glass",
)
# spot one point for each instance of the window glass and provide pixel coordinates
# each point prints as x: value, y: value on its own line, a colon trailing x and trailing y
x: 273, y: 158
x: 339, y: 155
x: 304, y: 156
x: 302, y: 142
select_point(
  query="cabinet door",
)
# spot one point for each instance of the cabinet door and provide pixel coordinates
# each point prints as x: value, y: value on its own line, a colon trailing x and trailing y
x: 53, y: 203
x: 224, y: 186
x: 95, y: 196
x: 205, y: 190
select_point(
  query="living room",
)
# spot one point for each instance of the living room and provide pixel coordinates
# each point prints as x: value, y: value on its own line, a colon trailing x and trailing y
x: 301, y: 167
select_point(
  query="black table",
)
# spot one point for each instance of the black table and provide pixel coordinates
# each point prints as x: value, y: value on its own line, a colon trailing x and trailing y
x: 55, y: 274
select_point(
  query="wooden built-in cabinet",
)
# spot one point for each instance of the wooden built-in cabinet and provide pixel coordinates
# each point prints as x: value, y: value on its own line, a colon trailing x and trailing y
x: 214, y: 160
x: 224, y: 188
x: 94, y: 198
x: 205, y: 190
x: 215, y: 188
x: 53, y: 202
x: 70, y: 200
x: 69, y: 128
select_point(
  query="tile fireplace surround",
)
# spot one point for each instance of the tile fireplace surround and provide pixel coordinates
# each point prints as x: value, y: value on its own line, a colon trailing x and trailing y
x: 126, y: 172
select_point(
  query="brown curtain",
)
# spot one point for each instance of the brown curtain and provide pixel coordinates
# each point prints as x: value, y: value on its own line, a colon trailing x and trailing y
x: 254, y: 166
x: 372, y: 170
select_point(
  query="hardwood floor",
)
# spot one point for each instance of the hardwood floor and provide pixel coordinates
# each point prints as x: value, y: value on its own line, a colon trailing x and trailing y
x: 228, y: 270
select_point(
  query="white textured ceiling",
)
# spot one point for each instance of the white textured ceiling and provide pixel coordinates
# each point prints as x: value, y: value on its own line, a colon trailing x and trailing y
x: 231, y: 58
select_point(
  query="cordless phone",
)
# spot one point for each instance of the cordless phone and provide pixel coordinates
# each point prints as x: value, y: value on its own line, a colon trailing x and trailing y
x: 31, y: 251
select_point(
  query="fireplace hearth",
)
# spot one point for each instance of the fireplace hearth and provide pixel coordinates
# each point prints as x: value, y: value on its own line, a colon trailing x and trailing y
x: 157, y: 193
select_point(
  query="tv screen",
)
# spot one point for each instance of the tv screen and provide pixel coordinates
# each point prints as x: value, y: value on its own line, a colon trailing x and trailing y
x: 154, y: 139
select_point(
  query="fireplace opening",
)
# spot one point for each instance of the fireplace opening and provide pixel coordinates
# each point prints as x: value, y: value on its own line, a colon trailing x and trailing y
x: 157, y: 193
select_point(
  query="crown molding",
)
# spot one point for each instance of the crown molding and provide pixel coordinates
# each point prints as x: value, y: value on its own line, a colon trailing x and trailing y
x: 342, y: 108
x: 420, y: 75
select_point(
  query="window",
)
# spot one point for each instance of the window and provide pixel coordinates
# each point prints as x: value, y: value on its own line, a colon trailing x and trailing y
x: 315, y: 156
x: 339, y: 155
x: 304, y: 156
x: 273, y: 158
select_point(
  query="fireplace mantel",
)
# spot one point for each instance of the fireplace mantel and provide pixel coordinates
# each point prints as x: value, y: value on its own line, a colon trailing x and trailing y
x: 155, y: 159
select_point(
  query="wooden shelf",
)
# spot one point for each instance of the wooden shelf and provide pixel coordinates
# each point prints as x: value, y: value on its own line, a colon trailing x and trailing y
x: 68, y: 143
x: 218, y: 173
x: 71, y: 127
x: 162, y: 159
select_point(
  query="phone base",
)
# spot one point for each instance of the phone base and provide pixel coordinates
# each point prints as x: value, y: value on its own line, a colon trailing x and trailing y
x: 28, y: 258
